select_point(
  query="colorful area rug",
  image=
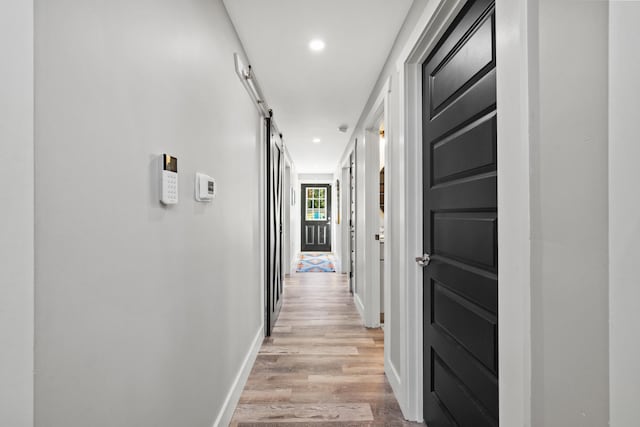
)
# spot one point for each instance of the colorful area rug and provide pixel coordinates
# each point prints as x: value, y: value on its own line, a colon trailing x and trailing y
x: 316, y: 262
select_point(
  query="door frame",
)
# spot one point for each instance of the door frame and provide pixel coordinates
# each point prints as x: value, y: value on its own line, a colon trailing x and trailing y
x: 286, y: 214
x: 514, y: 40
x: 379, y: 113
x: 344, y: 208
x: 348, y: 220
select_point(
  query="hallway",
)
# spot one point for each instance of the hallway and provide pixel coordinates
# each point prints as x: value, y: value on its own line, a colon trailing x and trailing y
x: 321, y: 365
x: 472, y: 166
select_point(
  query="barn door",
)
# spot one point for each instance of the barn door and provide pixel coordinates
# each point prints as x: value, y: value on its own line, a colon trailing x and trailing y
x: 461, y: 224
x: 275, y: 161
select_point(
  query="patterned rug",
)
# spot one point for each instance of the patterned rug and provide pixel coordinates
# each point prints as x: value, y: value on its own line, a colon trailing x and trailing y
x: 316, y: 262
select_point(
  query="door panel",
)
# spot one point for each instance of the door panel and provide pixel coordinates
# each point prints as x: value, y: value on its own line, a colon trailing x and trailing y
x: 472, y: 105
x: 316, y: 217
x: 468, y: 237
x: 463, y: 153
x: 461, y: 65
x: 461, y: 407
x: 461, y: 224
x: 480, y: 381
x: 471, y: 327
x: 275, y: 165
x: 461, y: 194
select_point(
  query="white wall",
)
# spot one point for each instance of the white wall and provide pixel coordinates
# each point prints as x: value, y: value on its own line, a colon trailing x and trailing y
x: 569, y: 216
x: 134, y: 301
x: 322, y: 178
x: 16, y: 217
x: 624, y: 204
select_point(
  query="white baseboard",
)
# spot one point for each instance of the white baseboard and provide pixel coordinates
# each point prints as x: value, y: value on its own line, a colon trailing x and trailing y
x: 396, y: 385
x: 359, y: 306
x: 231, y: 401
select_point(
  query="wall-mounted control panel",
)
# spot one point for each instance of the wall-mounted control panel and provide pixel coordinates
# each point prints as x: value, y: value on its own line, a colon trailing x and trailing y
x: 169, y: 178
x: 205, y: 188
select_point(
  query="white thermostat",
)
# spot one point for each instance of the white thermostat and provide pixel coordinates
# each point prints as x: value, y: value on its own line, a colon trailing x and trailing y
x: 169, y: 194
x: 205, y: 188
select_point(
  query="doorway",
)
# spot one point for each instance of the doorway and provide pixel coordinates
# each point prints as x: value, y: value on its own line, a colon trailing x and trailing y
x: 316, y: 218
x: 460, y: 223
x: 380, y: 236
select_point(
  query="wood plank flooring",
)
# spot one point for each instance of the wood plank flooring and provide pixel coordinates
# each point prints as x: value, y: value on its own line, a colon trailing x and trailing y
x: 320, y: 366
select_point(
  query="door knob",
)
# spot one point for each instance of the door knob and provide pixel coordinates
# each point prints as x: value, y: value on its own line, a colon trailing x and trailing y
x: 423, y: 260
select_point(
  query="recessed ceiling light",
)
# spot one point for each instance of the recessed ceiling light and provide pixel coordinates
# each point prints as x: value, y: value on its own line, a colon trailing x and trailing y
x: 316, y: 45
x: 316, y: 140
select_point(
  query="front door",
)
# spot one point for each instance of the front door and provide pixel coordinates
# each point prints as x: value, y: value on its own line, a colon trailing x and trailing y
x: 275, y: 162
x: 316, y: 217
x: 461, y: 223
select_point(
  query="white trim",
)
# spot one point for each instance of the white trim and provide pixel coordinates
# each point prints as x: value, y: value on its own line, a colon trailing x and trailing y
x: 287, y: 155
x: 345, y: 208
x: 231, y: 401
x: 346, y: 154
x: 377, y: 109
x: 378, y: 113
x: 286, y: 213
x: 359, y: 305
x: 391, y: 210
x: 312, y: 181
x: 371, y: 284
x: 514, y: 33
x: 393, y: 376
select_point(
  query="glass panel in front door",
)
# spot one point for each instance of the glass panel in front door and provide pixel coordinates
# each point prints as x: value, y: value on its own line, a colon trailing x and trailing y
x: 316, y: 204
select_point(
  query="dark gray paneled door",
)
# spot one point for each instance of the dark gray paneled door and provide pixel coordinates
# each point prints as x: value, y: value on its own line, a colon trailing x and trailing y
x: 275, y: 162
x: 316, y: 217
x: 461, y: 223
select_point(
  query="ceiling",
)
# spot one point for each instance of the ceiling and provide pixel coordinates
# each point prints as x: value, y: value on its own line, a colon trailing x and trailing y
x: 312, y: 93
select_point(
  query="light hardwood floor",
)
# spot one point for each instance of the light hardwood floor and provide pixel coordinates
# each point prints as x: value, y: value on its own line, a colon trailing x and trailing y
x: 320, y: 366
